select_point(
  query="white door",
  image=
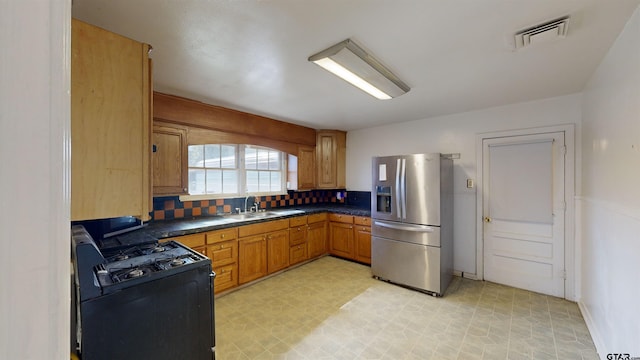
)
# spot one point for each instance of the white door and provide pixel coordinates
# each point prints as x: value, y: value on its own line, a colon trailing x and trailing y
x: 524, y: 211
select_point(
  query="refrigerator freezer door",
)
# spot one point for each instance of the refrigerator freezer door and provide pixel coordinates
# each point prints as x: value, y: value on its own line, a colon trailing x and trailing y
x: 417, y: 234
x: 422, y: 189
x: 417, y: 266
x: 385, y: 197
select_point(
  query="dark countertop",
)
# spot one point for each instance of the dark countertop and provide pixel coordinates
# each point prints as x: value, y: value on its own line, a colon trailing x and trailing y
x: 170, y: 228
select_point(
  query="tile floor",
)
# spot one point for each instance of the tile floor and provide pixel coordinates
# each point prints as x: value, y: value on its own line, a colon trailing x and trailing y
x: 333, y: 309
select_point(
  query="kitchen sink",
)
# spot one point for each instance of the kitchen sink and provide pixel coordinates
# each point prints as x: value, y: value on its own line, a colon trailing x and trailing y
x: 262, y: 215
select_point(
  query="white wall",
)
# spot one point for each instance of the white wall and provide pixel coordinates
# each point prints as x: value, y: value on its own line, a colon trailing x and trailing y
x: 34, y: 181
x: 454, y: 134
x: 610, y: 200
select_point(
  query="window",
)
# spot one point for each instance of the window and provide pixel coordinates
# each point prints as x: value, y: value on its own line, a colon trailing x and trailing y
x: 224, y: 170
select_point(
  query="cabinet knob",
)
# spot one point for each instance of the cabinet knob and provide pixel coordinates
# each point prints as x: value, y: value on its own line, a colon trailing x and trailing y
x: 221, y: 246
x: 222, y: 236
x: 350, y: 227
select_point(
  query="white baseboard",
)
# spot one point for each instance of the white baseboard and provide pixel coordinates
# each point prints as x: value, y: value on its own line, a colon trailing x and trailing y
x: 591, y: 326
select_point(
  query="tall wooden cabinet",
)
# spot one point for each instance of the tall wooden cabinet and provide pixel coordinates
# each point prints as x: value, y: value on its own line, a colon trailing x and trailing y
x: 110, y: 124
x: 306, y: 168
x: 170, y: 175
x: 331, y: 148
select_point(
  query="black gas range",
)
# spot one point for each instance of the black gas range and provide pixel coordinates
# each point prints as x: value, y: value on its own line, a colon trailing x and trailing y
x: 142, y: 301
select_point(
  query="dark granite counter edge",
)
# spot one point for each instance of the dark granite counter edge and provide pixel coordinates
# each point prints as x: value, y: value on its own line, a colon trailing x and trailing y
x: 180, y: 227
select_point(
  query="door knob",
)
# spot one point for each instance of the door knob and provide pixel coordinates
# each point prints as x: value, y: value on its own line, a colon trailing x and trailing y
x: 487, y: 219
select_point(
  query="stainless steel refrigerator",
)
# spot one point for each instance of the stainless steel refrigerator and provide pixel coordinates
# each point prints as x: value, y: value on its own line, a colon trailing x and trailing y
x: 412, y: 216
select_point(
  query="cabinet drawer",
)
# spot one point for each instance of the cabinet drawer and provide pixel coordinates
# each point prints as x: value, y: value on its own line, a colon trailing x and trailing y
x: 223, y: 252
x: 297, y: 235
x: 362, y: 220
x: 222, y: 235
x: 191, y: 241
x: 341, y: 218
x: 226, y: 277
x: 262, y: 228
x: 314, y: 218
x: 297, y: 253
x: 297, y: 221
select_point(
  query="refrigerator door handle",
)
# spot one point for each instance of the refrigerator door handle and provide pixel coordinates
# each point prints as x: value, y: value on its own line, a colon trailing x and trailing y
x: 403, y: 188
x: 415, y: 228
x: 398, y: 190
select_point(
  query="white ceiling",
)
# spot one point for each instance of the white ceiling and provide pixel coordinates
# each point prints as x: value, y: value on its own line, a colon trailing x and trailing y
x: 456, y: 55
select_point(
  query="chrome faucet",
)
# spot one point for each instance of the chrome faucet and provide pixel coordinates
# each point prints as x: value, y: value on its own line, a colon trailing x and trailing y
x: 245, y: 201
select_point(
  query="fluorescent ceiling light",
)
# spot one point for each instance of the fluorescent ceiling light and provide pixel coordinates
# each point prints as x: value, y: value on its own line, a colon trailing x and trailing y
x: 351, y: 63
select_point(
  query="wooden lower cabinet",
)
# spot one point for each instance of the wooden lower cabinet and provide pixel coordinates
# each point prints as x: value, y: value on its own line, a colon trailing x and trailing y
x: 222, y: 249
x: 277, y: 251
x: 241, y: 255
x: 252, y: 258
x: 350, y: 237
x: 341, y: 241
x: 297, y: 239
x: 317, y: 239
x: 362, y: 236
x: 226, y: 277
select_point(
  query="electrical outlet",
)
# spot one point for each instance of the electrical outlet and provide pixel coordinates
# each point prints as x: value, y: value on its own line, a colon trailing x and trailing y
x: 469, y: 183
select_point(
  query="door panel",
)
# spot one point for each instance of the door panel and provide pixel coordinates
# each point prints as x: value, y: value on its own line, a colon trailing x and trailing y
x: 524, y: 212
x: 422, y: 182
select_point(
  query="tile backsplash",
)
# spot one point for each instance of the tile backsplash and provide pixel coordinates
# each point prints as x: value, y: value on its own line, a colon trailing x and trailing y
x: 170, y: 207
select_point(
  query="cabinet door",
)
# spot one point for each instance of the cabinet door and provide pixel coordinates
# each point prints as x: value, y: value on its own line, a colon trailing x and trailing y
x: 298, y: 235
x: 252, y: 258
x: 110, y: 124
x: 331, y: 159
x: 222, y: 253
x: 277, y: 251
x: 170, y: 175
x: 226, y: 277
x: 362, y: 236
x: 317, y: 239
x: 297, y: 253
x: 341, y: 240
x: 306, y: 168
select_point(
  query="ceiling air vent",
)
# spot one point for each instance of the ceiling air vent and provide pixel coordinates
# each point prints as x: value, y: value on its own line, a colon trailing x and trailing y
x: 542, y: 33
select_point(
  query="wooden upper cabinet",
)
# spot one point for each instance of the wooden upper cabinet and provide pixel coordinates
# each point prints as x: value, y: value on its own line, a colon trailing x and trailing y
x: 331, y: 159
x: 170, y: 175
x: 306, y: 168
x: 110, y: 125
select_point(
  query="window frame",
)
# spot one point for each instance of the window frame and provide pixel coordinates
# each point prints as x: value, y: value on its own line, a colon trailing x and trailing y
x: 242, y: 174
